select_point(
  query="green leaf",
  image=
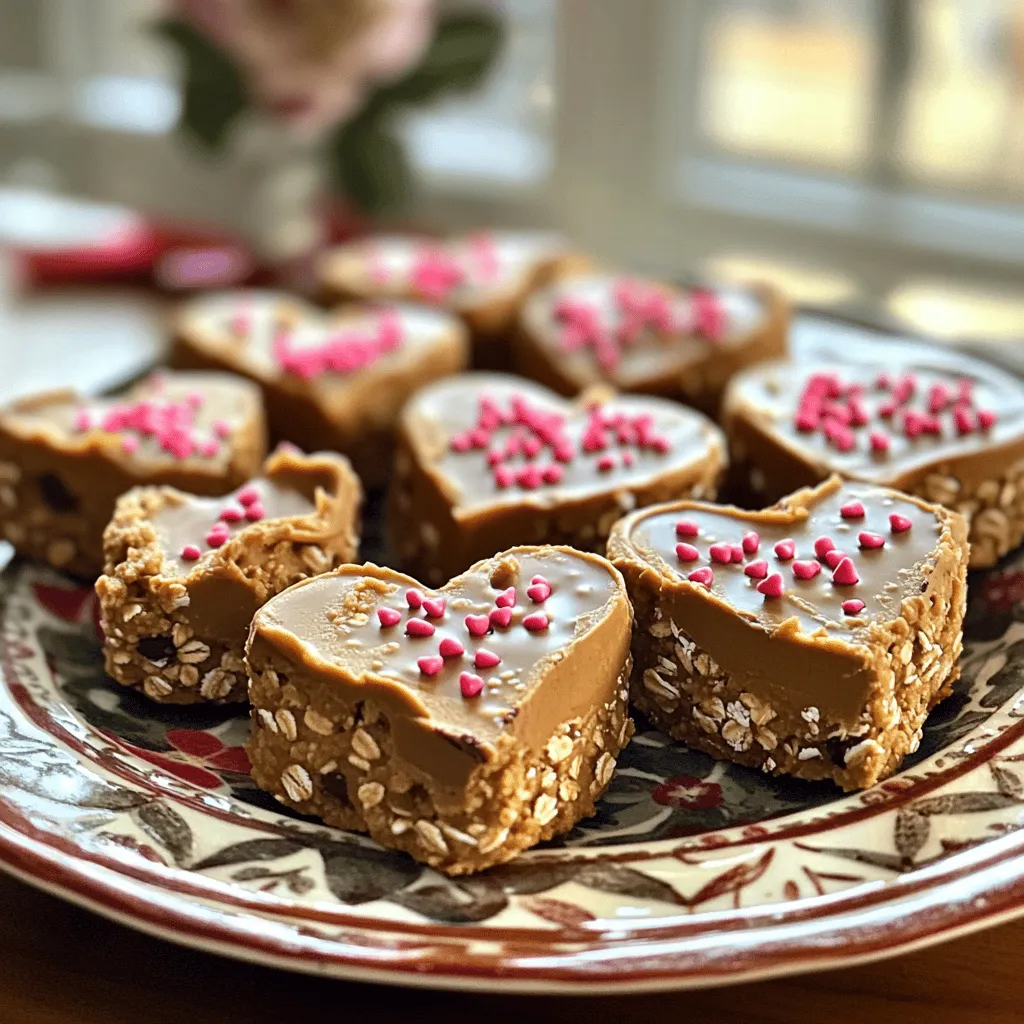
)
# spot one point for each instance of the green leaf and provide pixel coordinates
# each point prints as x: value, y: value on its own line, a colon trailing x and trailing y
x: 368, y: 163
x: 465, y: 47
x: 213, y: 93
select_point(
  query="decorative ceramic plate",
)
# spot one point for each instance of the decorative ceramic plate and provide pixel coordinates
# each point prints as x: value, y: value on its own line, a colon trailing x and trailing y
x: 693, y: 872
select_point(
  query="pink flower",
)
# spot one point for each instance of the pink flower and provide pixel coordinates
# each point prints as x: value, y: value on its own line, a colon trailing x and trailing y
x: 311, y: 62
x: 688, y: 791
x: 196, y: 757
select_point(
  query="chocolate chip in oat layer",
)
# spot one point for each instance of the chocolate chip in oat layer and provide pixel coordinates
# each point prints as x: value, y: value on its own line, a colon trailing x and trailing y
x: 337, y: 786
x: 154, y: 648
x: 56, y: 494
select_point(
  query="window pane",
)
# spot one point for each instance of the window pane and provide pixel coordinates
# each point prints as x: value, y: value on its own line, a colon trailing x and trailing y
x: 789, y: 79
x: 963, y: 112
x: 501, y: 131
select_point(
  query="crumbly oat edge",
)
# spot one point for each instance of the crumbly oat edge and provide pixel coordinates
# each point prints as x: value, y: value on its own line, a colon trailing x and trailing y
x: 684, y: 692
x: 138, y: 601
x: 335, y: 760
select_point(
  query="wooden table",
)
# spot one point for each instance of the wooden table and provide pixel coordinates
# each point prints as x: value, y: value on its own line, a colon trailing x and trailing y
x: 62, y: 964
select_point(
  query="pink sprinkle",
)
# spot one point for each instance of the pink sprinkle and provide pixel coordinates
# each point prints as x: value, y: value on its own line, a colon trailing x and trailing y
x: 785, y: 549
x: 879, y: 442
x: 208, y: 448
x: 460, y: 443
x: 535, y: 622
x: 388, y: 616
x: 834, y: 557
x: 852, y: 510
x: 553, y: 474
x: 898, y: 523
x: 751, y: 541
x: 471, y: 685
x: 507, y: 598
x: 501, y: 616
x: 231, y: 514
x: 870, y: 540
x: 606, y: 463
x: 195, y: 399
x: 450, y: 648
x: 190, y: 553
x: 255, y: 512
x: 886, y: 409
x: 434, y: 607
x: 806, y: 420
x: 419, y: 627
x: 756, y: 570
x: 853, y: 606
x: 703, y: 575
x: 486, y: 659
x: 83, y: 421
x: 737, y: 553
x: 222, y: 428
x: 986, y: 418
x: 539, y: 592
x: 806, y: 570
x: 939, y: 396
x: 129, y: 444
x: 687, y: 552
x: 414, y: 598
x: 215, y: 538
x: 772, y: 586
x: 430, y: 664
x: 963, y: 420
x: 538, y: 579
x: 687, y: 528
x: 823, y: 545
x: 883, y: 382
x: 627, y: 458
x: 845, y: 574
x: 503, y: 476
x: 529, y: 477
x: 247, y: 495
x: 478, y: 625
x: 721, y: 553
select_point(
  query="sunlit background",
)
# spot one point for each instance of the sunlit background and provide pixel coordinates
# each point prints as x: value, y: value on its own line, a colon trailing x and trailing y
x: 867, y: 155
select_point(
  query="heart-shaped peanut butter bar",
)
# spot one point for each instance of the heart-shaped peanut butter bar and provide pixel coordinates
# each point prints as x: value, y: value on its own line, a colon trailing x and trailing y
x: 65, y: 459
x: 185, y: 573
x: 483, y: 277
x: 486, y: 461
x: 811, y: 638
x: 930, y: 422
x: 463, y: 724
x: 642, y: 335
x: 329, y: 380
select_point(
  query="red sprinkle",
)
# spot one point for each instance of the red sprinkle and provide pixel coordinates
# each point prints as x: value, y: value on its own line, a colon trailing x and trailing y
x: 507, y: 598
x: 963, y: 420
x: 823, y: 545
x: 806, y: 570
x: 772, y: 586
x: 721, y: 553
x: 785, y: 549
x: 434, y: 607
x: 419, y: 627
x: 751, y: 542
x: 756, y: 570
x: 986, y: 418
x: 486, y: 659
x: 216, y: 537
x: 845, y: 574
x: 501, y: 616
x: 852, y: 510
x: 606, y: 463
x: 553, y: 474
x: 478, y: 625
x: 737, y: 553
x: 853, y: 606
x: 388, y: 616
x: 703, y: 575
x: 231, y: 514
x: 535, y: 622
x: 539, y: 592
x: 247, y: 495
x: 471, y: 685
x: 255, y: 512
x: 870, y: 540
x: 687, y: 528
x: 430, y: 664
x: 190, y: 553
x: 879, y: 442
x: 414, y: 598
x: 898, y: 523
x: 834, y: 557
x: 687, y: 552
x: 450, y: 648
